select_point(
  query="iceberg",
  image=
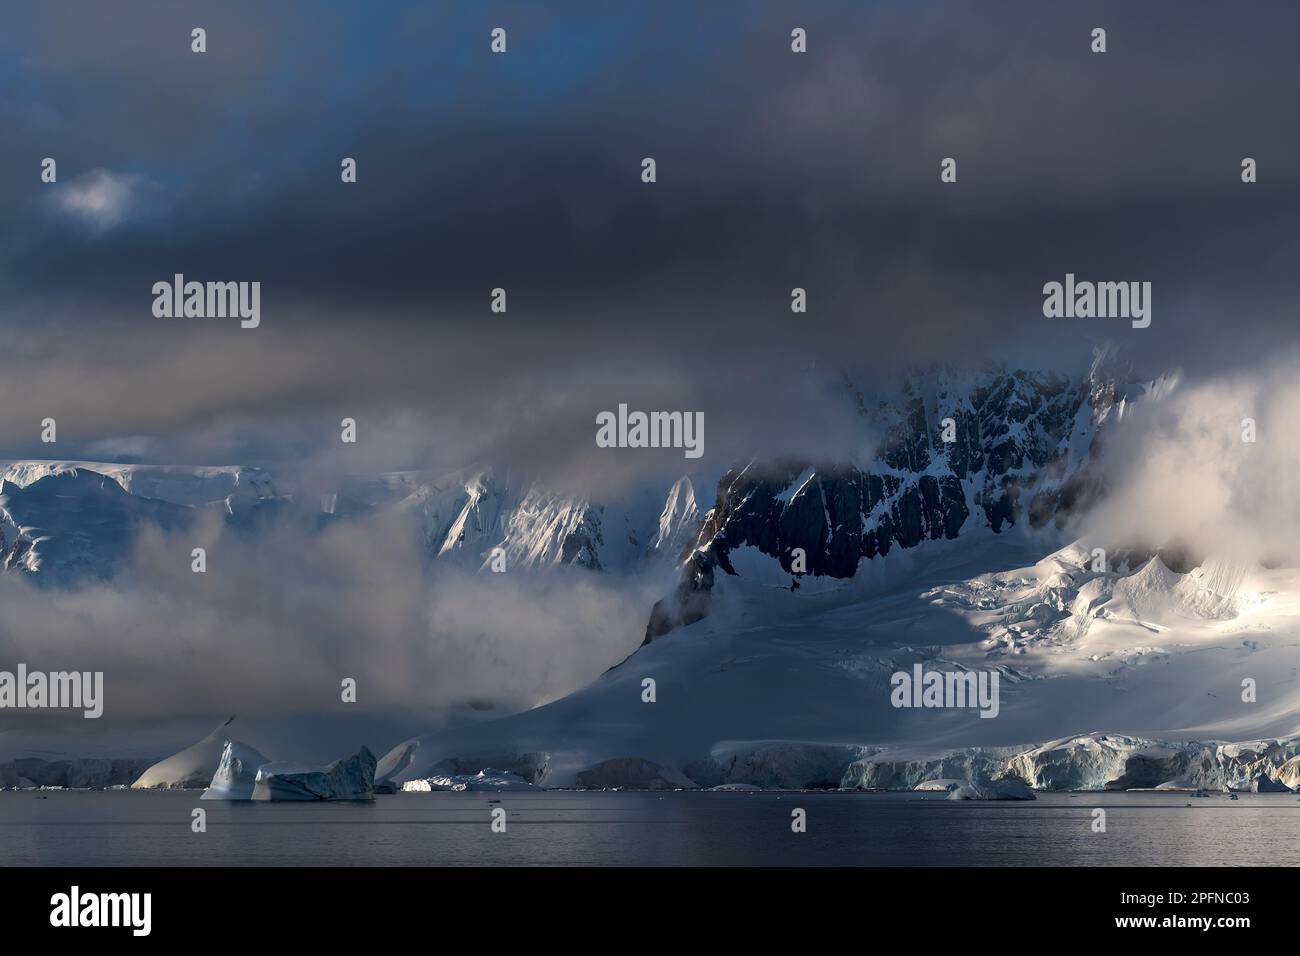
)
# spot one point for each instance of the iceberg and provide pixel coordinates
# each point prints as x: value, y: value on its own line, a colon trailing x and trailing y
x: 352, y: 778
x: 236, y: 773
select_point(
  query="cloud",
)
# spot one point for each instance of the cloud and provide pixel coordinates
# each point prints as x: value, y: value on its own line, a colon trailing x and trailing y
x: 776, y: 170
x: 1180, y: 470
x: 122, y: 448
x: 281, y: 617
x: 99, y: 198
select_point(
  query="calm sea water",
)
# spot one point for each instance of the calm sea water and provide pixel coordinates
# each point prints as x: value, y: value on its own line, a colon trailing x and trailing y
x: 123, y: 828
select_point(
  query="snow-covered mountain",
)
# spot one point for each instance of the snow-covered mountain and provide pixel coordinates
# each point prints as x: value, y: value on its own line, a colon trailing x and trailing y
x: 793, y: 689
x: 74, y: 525
x: 466, y: 517
x: 70, y: 521
x: 769, y: 672
x: 177, y: 484
x: 956, y: 453
x: 959, y: 453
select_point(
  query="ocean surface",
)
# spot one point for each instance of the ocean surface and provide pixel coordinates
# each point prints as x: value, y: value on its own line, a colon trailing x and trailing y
x: 550, y: 828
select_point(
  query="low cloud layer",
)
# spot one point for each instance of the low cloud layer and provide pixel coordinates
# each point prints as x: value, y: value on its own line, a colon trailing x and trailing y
x: 280, y: 618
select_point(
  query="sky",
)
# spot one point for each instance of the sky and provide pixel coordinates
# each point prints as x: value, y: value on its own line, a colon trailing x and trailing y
x: 522, y: 171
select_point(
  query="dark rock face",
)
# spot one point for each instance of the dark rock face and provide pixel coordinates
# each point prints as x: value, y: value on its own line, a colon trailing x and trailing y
x: 582, y: 545
x: 956, y: 453
x: 688, y: 603
x: 1008, y: 459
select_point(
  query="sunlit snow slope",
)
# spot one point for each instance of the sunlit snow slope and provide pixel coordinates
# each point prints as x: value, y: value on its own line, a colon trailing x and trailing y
x: 792, y: 689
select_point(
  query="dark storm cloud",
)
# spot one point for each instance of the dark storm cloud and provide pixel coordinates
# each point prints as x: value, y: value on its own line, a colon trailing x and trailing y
x: 775, y: 170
